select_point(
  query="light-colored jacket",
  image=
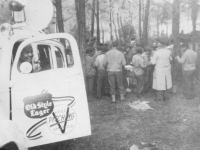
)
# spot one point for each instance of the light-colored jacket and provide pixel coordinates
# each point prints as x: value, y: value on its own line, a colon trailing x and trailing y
x: 99, y: 62
x: 114, y: 60
x: 188, y: 60
x: 162, y: 79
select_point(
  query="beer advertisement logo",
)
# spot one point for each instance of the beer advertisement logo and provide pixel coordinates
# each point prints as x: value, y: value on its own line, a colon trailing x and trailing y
x: 38, y: 106
x: 62, y: 120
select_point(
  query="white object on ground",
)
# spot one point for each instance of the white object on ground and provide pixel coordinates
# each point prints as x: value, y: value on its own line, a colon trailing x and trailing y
x: 134, y: 147
x: 140, y: 105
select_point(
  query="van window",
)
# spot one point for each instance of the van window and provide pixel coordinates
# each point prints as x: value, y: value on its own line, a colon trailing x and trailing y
x: 68, y: 53
x: 59, y: 57
x: 44, y: 57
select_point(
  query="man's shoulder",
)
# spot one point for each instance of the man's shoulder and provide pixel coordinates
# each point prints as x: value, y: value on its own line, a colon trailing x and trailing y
x: 100, y: 56
x: 88, y: 57
x: 137, y: 56
x: 163, y: 50
x: 114, y: 51
x: 190, y: 51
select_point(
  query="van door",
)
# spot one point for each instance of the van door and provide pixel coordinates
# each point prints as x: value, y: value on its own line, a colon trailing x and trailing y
x: 49, y: 101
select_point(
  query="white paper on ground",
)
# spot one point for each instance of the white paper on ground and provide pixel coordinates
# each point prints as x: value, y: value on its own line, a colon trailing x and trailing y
x: 140, y: 105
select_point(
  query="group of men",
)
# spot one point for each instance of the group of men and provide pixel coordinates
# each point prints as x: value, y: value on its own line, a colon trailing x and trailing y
x: 143, y: 67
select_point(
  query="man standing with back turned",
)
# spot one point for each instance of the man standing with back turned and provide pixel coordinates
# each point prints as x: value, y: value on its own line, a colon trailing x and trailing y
x: 188, y: 61
x: 113, y: 61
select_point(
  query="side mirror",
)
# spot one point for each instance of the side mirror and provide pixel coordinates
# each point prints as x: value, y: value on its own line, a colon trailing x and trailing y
x: 26, y: 68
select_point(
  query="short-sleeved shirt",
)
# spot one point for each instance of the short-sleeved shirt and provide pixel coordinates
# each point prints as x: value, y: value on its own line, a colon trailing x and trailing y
x: 99, y: 62
x: 188, y: 60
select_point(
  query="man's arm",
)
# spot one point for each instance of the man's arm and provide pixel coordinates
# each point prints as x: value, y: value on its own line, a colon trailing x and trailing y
x: 105, y: 60
x: 97, y: 53
x: 142, y: 63
x: 182, y: 59
x: 123, y: 60
x: 96, y: 62
x: 154, y: 59
x: 133, y: 60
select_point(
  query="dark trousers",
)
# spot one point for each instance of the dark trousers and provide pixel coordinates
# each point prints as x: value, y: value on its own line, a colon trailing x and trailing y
x: 188, y: 77
x: 102, y: 83
x: 125, y: 82
x: 140, y: 84
x: 89, y: 84
x: 118, y: 77
x: 148, y: 79
x: 162, y: 95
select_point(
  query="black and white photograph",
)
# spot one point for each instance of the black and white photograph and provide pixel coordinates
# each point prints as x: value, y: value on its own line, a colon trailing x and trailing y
x: 99, y: 74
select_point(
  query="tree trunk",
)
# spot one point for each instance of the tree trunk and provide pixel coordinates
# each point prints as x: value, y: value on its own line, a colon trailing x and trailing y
x: 59, y: 20
x: 123, y: 35
x: 140, y: 21
x: 92, y: 18
x: 102, y: 29
x: 98, y: 28
x: 111, y: 37
x: 176, y: 70
x: 80, y: 14
x: 59, y: 17
x: 145, y: 23
x: 175, y: 26
x: 194, y: 14
x: 157, y: 24
x: 117, y: 38
x: 167, y: 28
x: 119, y: 29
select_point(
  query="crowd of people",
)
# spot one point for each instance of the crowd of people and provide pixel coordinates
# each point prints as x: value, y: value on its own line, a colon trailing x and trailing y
x: 115, y: 70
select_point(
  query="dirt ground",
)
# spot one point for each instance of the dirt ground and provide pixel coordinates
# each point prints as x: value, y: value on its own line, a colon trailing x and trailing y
x: 172, y: 125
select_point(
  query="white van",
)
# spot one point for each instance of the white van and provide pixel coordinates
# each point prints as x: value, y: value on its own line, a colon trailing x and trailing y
x: 42, y: 87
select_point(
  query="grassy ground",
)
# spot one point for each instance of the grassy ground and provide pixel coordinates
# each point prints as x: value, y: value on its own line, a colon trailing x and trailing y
x: 172, y: 125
